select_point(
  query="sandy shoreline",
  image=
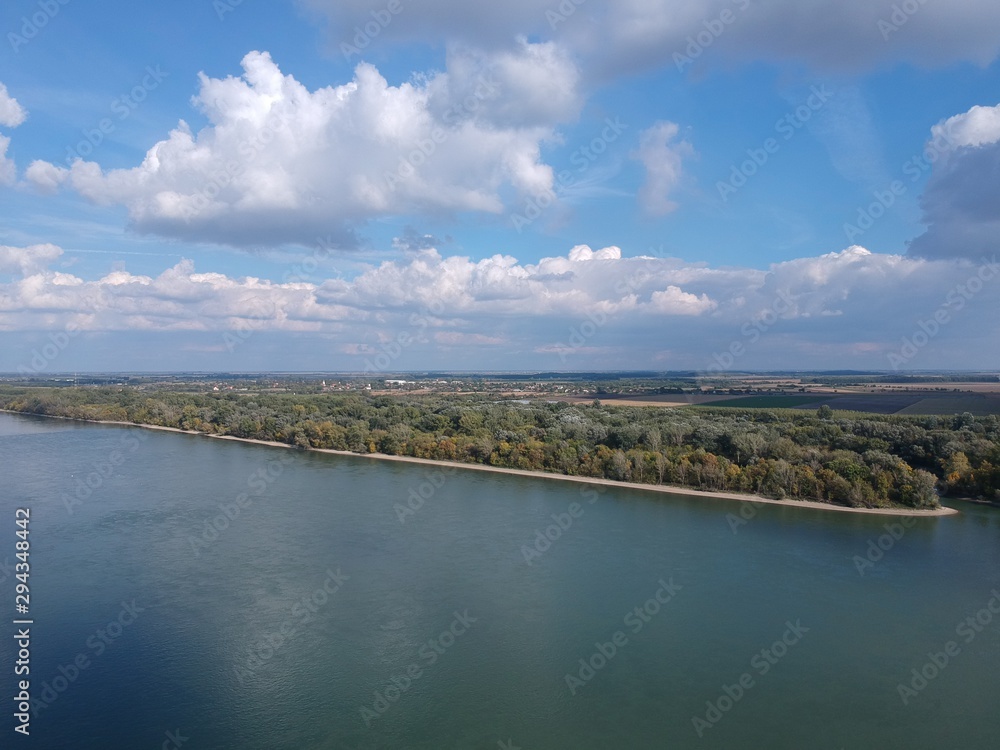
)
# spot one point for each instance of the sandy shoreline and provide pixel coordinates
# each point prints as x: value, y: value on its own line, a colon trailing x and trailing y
x: 663, y: 489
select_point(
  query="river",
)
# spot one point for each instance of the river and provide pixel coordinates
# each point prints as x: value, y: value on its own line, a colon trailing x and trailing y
x: 199, y: 593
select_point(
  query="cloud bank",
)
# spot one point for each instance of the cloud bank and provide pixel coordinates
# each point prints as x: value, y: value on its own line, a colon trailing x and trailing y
x: 587, y: 309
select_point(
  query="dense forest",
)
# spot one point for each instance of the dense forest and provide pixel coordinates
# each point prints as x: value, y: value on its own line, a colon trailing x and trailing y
x: 852, y: 459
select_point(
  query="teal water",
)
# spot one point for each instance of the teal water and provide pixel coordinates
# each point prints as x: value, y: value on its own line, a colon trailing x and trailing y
x: 473, y: 643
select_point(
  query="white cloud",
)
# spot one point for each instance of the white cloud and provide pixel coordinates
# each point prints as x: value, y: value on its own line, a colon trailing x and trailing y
x: 847, y: 309
x: 12, y: 114
x: 279, y: 163
x: 662, y: 160
x: 583, y: 252
x: 961, y: 202
x: 537, y: 84
x: 27, y: 260
x: 8, y: 170
x: 675, y: 301
x: 45, y: 177
x: 977, y: 127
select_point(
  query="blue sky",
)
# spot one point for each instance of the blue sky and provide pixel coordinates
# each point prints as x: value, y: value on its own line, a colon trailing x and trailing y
x: 579, y: 185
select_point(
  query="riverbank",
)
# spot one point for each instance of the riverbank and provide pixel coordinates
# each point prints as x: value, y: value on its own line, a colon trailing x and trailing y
x: 659, y: 488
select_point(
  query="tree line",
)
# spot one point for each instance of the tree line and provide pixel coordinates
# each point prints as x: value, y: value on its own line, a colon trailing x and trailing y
x: 852, y: 459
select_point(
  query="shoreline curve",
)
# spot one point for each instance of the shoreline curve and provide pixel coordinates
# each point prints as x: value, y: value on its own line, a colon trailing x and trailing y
x: 659, y: 488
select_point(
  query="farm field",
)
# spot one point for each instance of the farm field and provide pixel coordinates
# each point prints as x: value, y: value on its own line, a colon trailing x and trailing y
x: 916, y: 403
x: 665, y: 400
x: 778, y: 401
x: 979, y: 404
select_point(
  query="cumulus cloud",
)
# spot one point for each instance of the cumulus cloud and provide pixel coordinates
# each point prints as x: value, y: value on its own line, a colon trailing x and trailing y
x: 11, y: 113
x: 961, y: 202
x: 622, y: 36
x: 978, y: 126
x: 675, y: 301
x: 280, y: 163
x: 26, y: 261
x: 850, y: 308
x: 45, y: 177
x: 8, y: 170
x: 662, y: 159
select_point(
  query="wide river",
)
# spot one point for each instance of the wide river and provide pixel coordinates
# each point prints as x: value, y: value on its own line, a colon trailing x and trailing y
x: 199, y: 593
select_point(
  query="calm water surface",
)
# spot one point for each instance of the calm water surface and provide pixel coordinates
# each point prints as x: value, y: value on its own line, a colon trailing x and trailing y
x: 316, y: 618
